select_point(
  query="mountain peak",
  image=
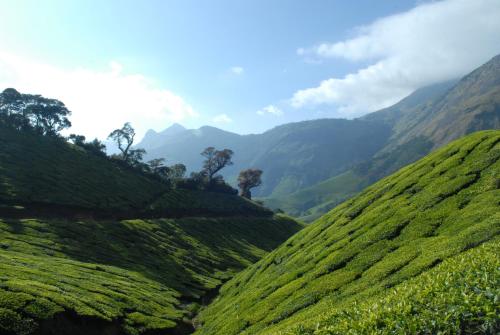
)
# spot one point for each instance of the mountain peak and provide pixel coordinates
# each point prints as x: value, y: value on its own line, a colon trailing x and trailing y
x: 173, y: 129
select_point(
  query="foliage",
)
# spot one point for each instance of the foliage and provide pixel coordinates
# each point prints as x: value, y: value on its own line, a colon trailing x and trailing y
x: 247, y: 180
x: 215, y: 160
x: 95, y: 146
x: 395, y: 230
x: 140, y: 274
x: 33, y: 112
x: 459, y: 296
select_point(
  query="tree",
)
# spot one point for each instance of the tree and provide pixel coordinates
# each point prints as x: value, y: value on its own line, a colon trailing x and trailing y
x: 156, y: 165
x: 95, y: 146
x: 135, y: 157
x: 47, y: 116
x: 177, y: 171
x: 247, y: 180
x: 77, y: 139
x: 23, y: 111
x: 215, y: 160
x: 124, y: 138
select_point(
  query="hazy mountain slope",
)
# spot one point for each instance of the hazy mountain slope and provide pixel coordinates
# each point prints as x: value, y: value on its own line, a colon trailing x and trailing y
x: 425, y: 120
x: 152, y: 139
x: 396, y: 229
x: 292, y: 156
x: 121, y: 277
x: 472, y: 104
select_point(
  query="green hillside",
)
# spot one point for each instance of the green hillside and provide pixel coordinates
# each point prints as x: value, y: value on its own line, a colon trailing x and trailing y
x: 394, y: 231
x: 47, y: 175
x: 42, y: 169
x: 69, y: 266
x: 122, y: 277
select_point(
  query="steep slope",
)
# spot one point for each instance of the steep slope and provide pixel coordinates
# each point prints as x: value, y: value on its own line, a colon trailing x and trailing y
x: 427, y: 119
x: 470, y: 105
x: 292, y: 156
x: 395, y: 230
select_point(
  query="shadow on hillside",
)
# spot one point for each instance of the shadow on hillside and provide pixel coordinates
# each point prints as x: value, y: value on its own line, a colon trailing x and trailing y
x: 184, y: 254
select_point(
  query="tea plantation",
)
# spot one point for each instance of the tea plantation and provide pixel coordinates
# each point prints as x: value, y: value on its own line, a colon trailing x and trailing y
x: 404, y: 256
x: 52, y: 176
x: 122, y: 277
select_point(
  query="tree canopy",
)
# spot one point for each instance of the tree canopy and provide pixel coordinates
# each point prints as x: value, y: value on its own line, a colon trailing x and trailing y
x: 215, y: 160
x: 247, y: 180
x: 30, y: 111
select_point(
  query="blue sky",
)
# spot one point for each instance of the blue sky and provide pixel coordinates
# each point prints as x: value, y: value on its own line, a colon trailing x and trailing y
x: 244, y: 66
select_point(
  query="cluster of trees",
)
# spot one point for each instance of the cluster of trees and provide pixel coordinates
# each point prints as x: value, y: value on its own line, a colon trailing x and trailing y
x: 48, y: 117
x: 33, y: 112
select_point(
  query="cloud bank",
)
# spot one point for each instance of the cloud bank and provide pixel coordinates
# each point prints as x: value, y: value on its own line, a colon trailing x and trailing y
x: 430, y: 43
x: 100, y: 100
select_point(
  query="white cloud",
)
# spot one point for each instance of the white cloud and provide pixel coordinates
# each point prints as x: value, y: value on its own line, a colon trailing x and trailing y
x: 430, y: 43
x: 222, y: 119
x: 100, y: 100
x: 271, y: 109
x: 237, y: 70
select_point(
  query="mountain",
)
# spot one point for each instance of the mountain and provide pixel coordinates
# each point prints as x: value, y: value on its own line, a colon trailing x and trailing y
x: 92, y: 246
x: 425, y: 120
x: 472, y: 104
x: 416, y: 252
x: 152, y: 139
x: 292, y: 156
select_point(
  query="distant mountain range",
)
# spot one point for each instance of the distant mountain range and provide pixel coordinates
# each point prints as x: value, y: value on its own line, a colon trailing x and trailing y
x: 311, y: 166
x: 293, y: 156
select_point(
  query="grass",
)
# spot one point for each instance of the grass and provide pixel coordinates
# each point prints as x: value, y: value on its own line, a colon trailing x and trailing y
x: 141, y: 275
x: 397, y: 229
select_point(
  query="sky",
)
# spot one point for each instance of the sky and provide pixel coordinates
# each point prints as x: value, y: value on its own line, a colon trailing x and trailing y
x: 243, y: 66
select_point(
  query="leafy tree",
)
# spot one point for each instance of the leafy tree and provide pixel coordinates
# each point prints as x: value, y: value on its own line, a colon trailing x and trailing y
x: 24, y: 111
x: 156, y: 165
x: 95, y: 146
x: 135, y: 156
x: 215, y: 160
x: 177, y: 171
x: 124, y: 138
x: 247, y: 180
x: 77, y: 139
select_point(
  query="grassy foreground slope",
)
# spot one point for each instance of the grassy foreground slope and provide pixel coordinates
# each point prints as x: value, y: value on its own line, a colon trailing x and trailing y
x: 395, y: 230
x: 122, y: 277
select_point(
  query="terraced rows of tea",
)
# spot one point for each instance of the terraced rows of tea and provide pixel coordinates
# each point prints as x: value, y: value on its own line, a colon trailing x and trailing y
x: 396, y: 230
x: 122, y: 277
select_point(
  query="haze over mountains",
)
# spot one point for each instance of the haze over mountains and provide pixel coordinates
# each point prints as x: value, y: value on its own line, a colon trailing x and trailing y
x: 311, y: 166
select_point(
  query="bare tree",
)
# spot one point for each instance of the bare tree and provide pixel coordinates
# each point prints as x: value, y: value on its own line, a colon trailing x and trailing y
x: 124, y: 138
